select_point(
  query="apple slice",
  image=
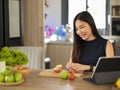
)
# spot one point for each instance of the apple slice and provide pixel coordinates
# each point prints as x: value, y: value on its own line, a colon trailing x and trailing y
x: 59, y: 65
x: 57, y: 69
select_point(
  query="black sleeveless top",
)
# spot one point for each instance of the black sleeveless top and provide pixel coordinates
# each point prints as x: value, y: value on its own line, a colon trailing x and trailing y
x: 92, y: 50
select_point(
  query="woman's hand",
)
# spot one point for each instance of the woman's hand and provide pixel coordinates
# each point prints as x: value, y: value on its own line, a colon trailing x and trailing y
x: 77, y: 67
x: 68, y: 65
x: 69, y: 68
x: 80, y: 67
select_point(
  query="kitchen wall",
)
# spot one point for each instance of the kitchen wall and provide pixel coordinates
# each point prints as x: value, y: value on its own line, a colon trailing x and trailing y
x: 53, y: 12
x: 33, y: 14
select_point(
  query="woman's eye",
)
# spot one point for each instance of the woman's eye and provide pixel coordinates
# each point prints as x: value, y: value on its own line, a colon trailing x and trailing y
x: 81, y: 27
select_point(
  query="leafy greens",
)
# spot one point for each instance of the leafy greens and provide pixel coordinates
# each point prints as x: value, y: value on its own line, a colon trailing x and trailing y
x: 13, y: 57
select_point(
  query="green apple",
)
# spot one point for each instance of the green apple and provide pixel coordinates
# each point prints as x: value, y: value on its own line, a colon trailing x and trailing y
x: 18, y: 76
x: 2, y: 77
x: 9, y: 78
x: 64, y: 74
x: 7, y: 70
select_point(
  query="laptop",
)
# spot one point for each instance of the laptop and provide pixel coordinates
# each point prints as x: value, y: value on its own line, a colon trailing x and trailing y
x: 107, y: 71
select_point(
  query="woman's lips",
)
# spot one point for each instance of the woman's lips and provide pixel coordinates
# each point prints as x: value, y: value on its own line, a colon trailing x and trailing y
x: 82, y: 35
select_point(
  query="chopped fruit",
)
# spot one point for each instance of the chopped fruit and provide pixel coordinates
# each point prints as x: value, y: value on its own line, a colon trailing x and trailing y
x: 57, y: 68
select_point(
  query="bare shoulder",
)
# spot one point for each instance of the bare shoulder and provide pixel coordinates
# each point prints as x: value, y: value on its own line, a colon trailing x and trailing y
x: 109, y: 49
x: 109, y: 44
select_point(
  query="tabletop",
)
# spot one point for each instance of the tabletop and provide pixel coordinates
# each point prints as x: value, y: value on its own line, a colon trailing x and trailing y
x: 35, y: 82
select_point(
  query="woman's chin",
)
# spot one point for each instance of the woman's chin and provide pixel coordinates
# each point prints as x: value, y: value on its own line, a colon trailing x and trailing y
x: 84, y: 38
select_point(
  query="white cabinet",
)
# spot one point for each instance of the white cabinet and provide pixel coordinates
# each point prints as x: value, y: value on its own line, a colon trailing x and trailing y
x: 115, y: 17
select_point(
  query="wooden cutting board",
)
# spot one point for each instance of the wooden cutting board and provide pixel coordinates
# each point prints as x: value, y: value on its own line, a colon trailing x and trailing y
x: 51, y: 73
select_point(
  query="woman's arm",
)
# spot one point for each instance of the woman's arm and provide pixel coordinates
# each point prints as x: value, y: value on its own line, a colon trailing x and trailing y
x: 109, y: 49
x: 76, y: 66
x: 68, y: 65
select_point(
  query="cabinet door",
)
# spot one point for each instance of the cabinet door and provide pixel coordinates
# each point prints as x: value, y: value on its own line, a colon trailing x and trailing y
x: 1, y: 24
x: 12, y: 22
x: 33, y: 12
x: 59, y: 53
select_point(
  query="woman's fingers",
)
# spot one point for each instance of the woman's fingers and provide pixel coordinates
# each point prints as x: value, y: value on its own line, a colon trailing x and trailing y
x: 68, y: 65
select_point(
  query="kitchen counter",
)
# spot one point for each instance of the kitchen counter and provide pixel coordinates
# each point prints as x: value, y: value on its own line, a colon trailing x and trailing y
x: 35, y: 82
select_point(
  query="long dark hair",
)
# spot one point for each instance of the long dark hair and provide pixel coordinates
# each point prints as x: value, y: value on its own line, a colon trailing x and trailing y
x: 78, y: 42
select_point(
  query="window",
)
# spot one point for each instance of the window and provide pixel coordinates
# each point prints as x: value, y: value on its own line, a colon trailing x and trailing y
x: 69, y: 8
x: 98, y: 11
x: 95, y: 7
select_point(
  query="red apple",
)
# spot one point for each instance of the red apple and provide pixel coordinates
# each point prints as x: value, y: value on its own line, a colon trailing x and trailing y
x: 71, y: 76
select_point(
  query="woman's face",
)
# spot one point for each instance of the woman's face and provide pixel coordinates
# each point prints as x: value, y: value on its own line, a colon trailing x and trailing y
x: 83, y: 30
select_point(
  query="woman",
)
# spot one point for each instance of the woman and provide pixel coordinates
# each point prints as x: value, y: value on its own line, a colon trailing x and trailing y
x: 88, y: 45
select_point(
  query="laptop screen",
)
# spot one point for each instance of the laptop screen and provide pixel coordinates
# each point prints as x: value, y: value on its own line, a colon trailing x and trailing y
x: 107, y: 64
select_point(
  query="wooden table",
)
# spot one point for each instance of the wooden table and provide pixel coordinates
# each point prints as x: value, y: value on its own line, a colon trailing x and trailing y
x: 34, y: 82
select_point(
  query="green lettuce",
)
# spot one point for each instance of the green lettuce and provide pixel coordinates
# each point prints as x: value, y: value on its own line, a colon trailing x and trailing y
x: 13, y: 57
